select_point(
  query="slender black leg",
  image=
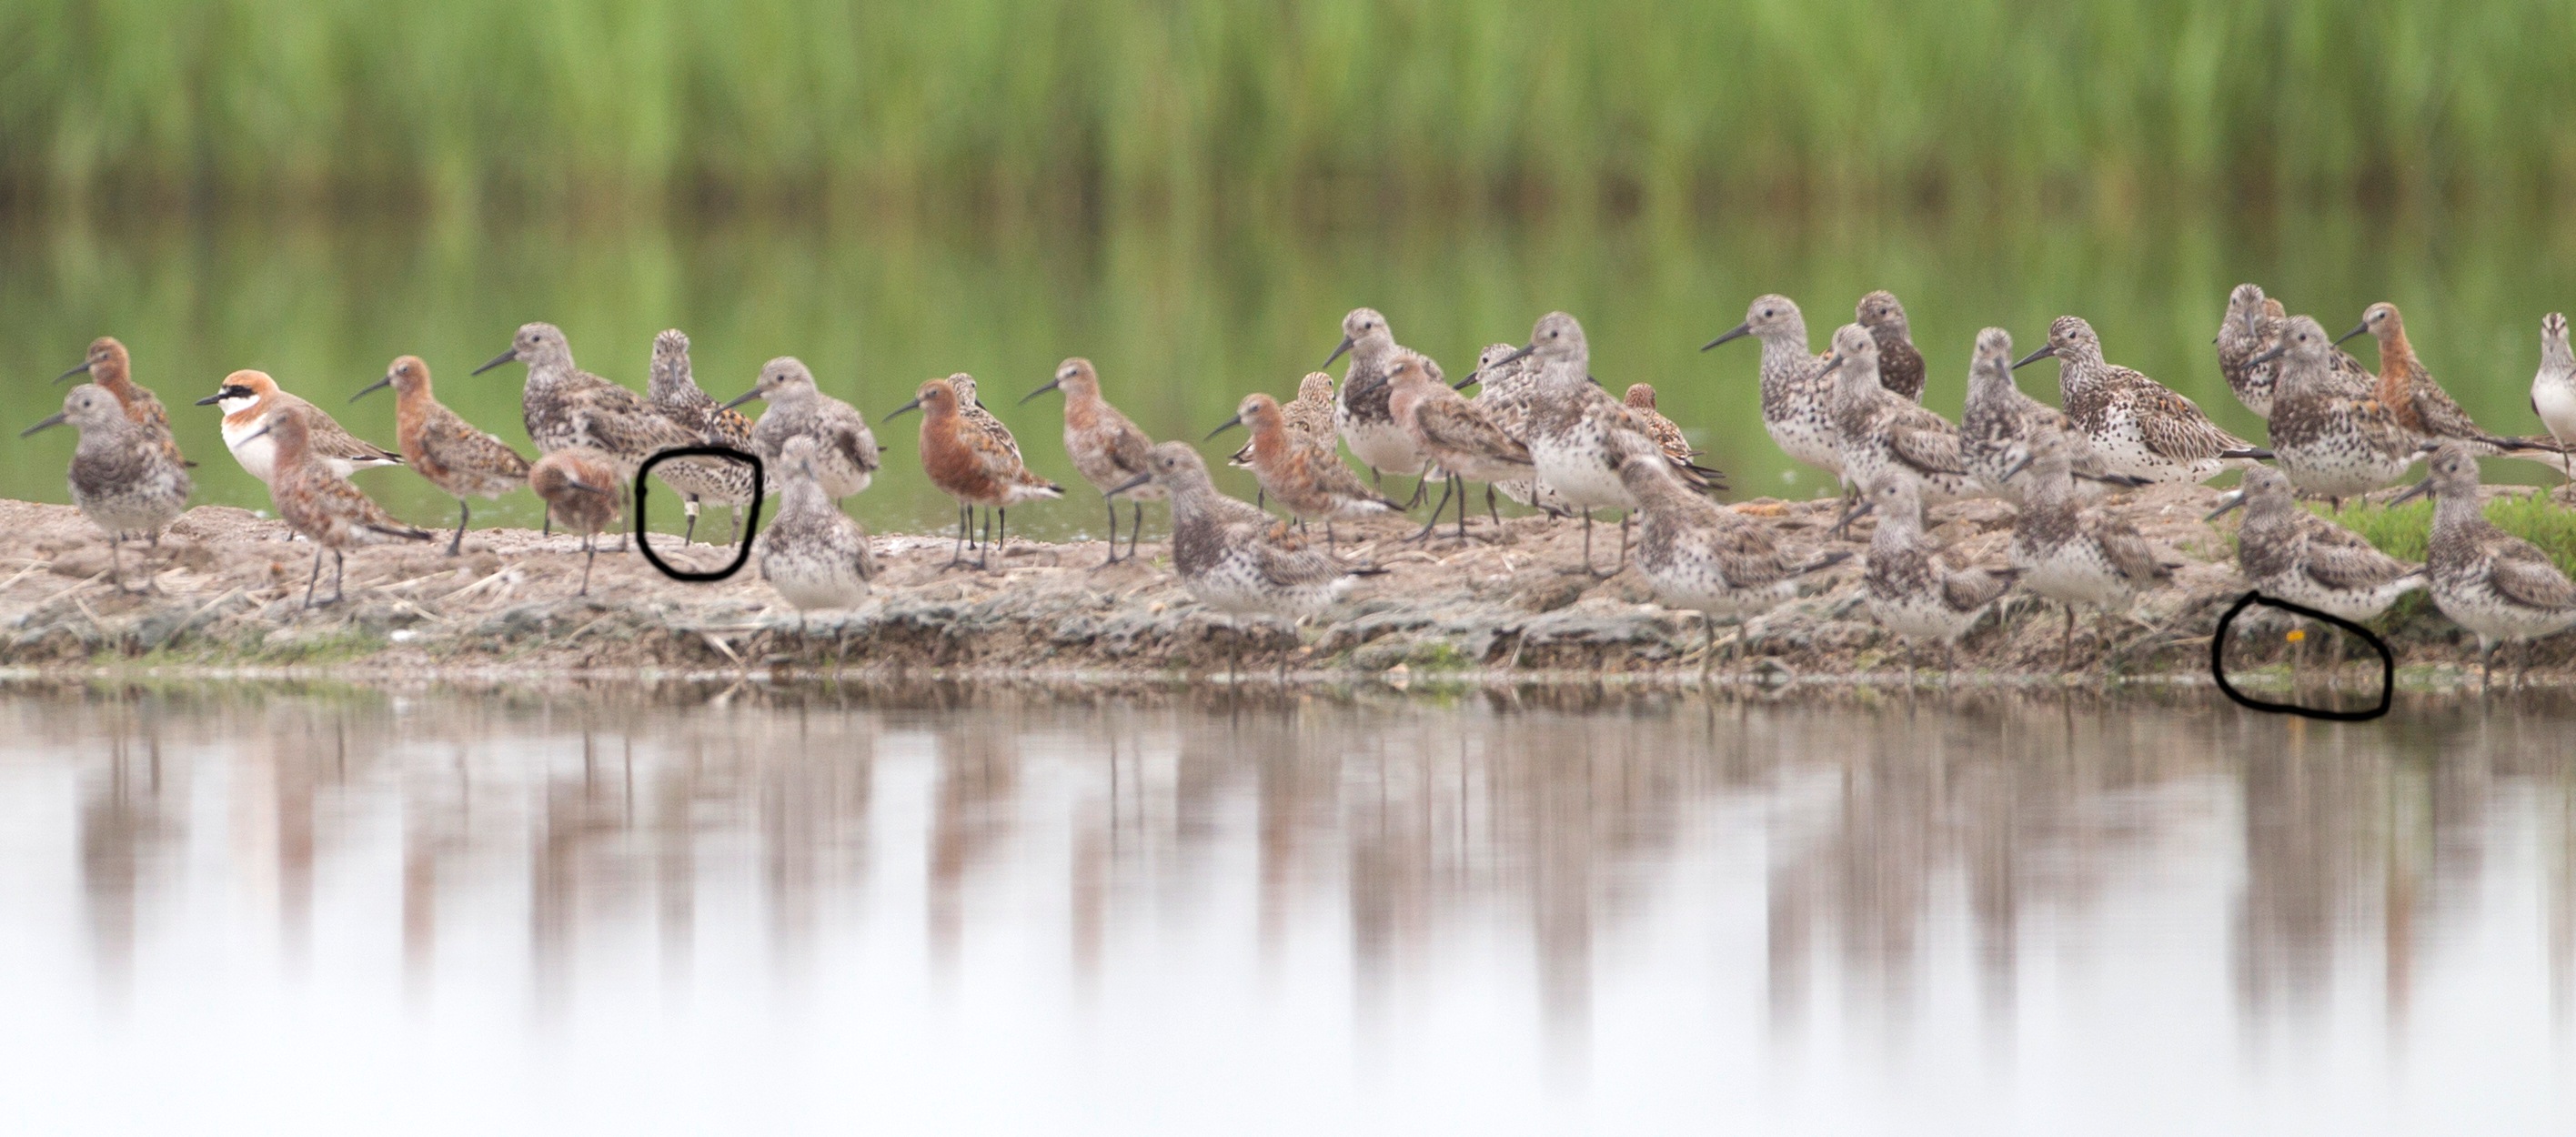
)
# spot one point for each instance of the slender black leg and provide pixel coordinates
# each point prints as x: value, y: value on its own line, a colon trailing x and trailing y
x: 1587, y: 542
x: 1260, y: 498
x: 1135, y: 525
x: 1490, y: 511
x: 1624, y: 518
x: 1113, y: 531
x: 1434, y: 523
x: 1330, y: 545
x: 339, y: 569
x: 1002, y: 542
x: 314, y: 579
x: 588, y: 554
x: 464, y: 513
x: 1460, y: 484
x: 689, y: 505
x: 116, y: 569
x: 959, y: 556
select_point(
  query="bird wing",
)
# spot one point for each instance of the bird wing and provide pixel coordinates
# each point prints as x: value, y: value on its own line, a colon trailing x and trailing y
x: 461, y: 444
x: 847, y: 431
x: 2174, y: 426
x: 2339, y: 558
x: 329, y: 439
x: 1923, y: 439
x: 1970, y: 589
x: 1295, y: 564
x: 2440, y: 413
x: 1128, y: 445
x: 1453, y: 424
x: 2128, y: 551
x: 2524, y: 575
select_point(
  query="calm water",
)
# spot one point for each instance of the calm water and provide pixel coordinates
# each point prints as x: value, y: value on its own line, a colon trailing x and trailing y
x: 282, y: 910
x: 1183, y: 319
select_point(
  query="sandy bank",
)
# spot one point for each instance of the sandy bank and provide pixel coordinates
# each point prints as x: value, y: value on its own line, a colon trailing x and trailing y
x: 230, y: 593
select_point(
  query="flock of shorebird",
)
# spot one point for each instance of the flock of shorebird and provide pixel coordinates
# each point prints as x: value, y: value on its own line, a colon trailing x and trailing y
x: 1540, y: 430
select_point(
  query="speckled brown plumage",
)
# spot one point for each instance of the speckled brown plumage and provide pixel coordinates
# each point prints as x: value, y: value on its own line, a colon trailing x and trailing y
x: 121, y: 477
x: 109, y: 366
x: 1900, y: 366
x: 322, y: 505
x: 443, y: 448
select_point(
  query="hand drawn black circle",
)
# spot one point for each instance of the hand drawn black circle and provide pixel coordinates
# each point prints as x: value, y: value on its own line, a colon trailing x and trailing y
x: 751, y: 522
x: 2218, y: 662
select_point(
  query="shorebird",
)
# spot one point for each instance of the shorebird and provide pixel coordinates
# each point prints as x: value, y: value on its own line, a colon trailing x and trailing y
x: 250, y: 398
x: 970, y: 465
x: 2553, y: 388
x: 1305, y: 476
x: 1914, y: 587
x: 1995, y: 430
x: 2420, y: 402
x: 579, y: 486
x: 1363, y: 418
x: 1503, y: 392
x: 971, y: 409
x: 1667, y: 434
x: 2487, y: 580
x: 674, y: 390
x: 122, y: 477
x: 1308, y: 416
x: 316, y: 501
x: 1458, y: 439
x: 1577, y: 432
x: 565, y: 406
x: 814, y: 554
x: 1883, y: 435
x: 2253, y: 326
x: 444, y: 448
x: 1698, y: 555
x: 2142, y: 428
x: 1900, y: 366
x: 2071, y: 554
x: 1235, y: 558
x: 108, y: 365
x: 2291, y: 554
x: 1107, y: 449
x: 845, y: 450
x: 2329, y: 440
x: 1797, y: 386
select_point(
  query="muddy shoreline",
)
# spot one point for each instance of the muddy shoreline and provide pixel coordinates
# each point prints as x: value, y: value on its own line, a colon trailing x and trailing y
x: 1501, y: 607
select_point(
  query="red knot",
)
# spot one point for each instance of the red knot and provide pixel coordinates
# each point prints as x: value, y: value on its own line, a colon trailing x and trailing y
x: 1900, y: 365
x: 1995, y: 431
x: 314, y: 500
x: 1106, y: 448
x: 122, y: 477
x: 845, y: 450
x: 1576, y: 431
x: 2329, y: 440
x: 971, y: 465
x: 672, y: 387
x: 2491, y: 582
x: 442, y: 447
x: 2252, y: 326
x: 1883, y: 435
x: 2141, y: 428
x: 813, y: 554
x: 108, y: 365
x: 1303, y: 474
x: 1701, y: 556
x: 2288, y: 553
x: 579, y: 487
x: 250, y: 398
x: 1363, y: 418
x: 1797, y: 388
x: 565, y: 406
x: 2421, y: 403
x: 1235, y: 558
x: 2072, y: 554
x: 1917, y: 589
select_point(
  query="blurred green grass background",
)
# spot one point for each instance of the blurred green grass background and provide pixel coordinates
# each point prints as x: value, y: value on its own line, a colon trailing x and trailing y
x: 1130, y: 105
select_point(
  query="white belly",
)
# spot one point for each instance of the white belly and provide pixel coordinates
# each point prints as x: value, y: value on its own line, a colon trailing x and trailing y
x: 1383, y: 447
x: 1921, y: 617
x: 259, y: 455
x: 1576, y: 466
x: 2069, y: 577
x: 2556, y: 403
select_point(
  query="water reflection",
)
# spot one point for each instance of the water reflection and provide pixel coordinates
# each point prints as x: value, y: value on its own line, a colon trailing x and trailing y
x: 1859, y: 883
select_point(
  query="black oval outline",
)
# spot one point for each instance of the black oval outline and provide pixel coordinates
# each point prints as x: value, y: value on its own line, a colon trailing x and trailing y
x: 2218, y: 662
x: 751, y: 521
